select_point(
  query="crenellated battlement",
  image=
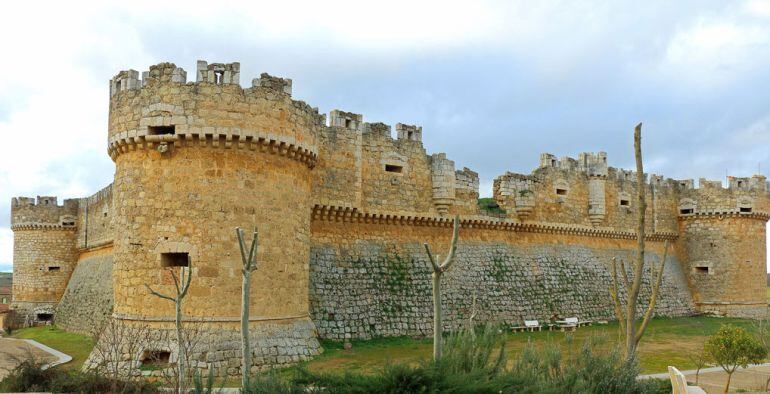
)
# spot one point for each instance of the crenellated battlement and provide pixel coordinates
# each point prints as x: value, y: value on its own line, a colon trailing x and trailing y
x: 409, y: 132
x: 218, y: 73
x: 277, y: 84
x: 43, y: 212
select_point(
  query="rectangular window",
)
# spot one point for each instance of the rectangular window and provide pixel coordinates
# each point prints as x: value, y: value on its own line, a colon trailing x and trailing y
x: 745, y: 210
x: 161, y: 130
x: 174, y: 260
x: 624, y: 203
x: 393, y: 168
x: 54, y: 269
x: 701, y: 270
x: 686, y: 211
x: 561, y: 192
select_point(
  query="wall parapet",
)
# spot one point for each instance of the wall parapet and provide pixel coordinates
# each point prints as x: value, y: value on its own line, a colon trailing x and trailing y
x: 353, y: 215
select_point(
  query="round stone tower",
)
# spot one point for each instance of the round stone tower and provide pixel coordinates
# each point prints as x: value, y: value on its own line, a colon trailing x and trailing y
x: 723, y: 235
x: 193, y: 162
x: 44, y: 256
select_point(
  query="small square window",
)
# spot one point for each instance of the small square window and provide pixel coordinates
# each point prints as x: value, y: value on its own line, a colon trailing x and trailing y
x: 174, y: 260
x: 561, y: 192
x: 161, y: 130
x: 701, y: 270
x: 625, y: 203
x: 393, y: 168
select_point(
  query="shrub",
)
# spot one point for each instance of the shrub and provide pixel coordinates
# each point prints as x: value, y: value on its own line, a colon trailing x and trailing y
x: 30, y: 376
x: 732, y: 347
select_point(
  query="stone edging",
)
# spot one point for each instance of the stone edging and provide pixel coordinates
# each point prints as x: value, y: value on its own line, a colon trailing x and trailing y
x: 348, y: 214
x: 61, y: 358
x: 126, y: 316
x: 219, y: 137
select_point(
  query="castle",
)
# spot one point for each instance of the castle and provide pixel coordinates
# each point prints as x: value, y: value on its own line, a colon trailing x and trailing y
x: 343, y: 209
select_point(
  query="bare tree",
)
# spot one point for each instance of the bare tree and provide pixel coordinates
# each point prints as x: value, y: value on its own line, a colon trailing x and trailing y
x: 700, y: 358
x: 249, y: 265
x: 181, y: 284
x: 627, y: 318
x: 117, y: 348
x: 439, y: 270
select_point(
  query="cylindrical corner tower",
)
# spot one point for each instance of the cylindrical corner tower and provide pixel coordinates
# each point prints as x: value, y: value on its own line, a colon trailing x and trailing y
x: 44, y: 256
x: 193, y: 162
x: 725, y: 262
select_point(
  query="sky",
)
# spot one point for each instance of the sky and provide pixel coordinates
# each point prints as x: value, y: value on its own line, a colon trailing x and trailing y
x: 493, y: 84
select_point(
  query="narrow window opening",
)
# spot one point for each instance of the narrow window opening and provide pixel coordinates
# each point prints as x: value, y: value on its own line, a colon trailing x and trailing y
x: 745, y: 210
x: 174, y: 260
x: 161, y: 130
x: 105, y: 214
x: 348, y: 123
x: 45, y: 316
x: 561, y: 192
x: 219, y: 77
x: 409, y: 135
x: 686, y: 211
x: 553, y: 163
x: 624, y: 203
x: 155, y: 358
x: 117, y: 86
x: 393, y: 168
x: 740, y: 183
x: 54, y: 269
x: 702, y: 270
x: 67, y: 223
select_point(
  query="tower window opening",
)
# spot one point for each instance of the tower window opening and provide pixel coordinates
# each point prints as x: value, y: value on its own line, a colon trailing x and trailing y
x: 701, y: 270
x: 393, y: 168
x: 161, y: 130
x: 561, y: 192
x: 174, y: 259
x: 68, y: 223
x: 745, y: 209
x: 54, y: 269
x: 409, y: 135
x: 624, y: 203
x: 45, y: 316
x: 219, y: 77
x: 553, y: 163
x: 117, y: 86
x: 686, y: 211
x: 348, y: 123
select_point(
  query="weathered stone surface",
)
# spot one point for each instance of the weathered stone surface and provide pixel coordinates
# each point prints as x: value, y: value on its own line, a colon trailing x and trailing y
x: 87, y: 301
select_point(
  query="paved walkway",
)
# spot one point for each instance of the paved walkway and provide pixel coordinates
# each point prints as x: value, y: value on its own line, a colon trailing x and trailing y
x: 751, y: 379
x: 14, y: 351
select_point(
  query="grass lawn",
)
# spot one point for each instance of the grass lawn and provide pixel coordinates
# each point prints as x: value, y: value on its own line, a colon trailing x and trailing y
x: 666, y: 342
x: 76, y: 345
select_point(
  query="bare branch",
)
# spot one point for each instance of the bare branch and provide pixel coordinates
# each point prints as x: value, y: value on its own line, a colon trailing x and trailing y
x: 453, y: 247
x: 155, y: 293
x: 624, y: 274
x: 252, y: 253
x: 430, y: 257
x: 654, y: 295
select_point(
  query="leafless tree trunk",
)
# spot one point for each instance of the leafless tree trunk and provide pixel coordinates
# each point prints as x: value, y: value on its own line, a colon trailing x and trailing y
x: 118, y: 346
x: 249, y: 266
x: 182, y: 284
x: 439, y: 270
x: 627, y: 319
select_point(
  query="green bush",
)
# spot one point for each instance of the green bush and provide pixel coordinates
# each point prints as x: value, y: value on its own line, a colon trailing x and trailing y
x: 30, y: 376
x: 476, y: 362
x: 732, y: 347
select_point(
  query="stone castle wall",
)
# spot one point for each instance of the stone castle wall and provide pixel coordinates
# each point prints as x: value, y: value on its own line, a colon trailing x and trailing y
x: 342, y: 208
x: 373, y: 279
x: 87, y: 301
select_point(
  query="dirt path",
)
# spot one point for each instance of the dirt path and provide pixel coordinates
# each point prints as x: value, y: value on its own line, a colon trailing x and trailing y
x: 13, y: 351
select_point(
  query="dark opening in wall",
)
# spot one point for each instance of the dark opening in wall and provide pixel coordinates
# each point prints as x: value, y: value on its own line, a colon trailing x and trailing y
x: 45, y: 316
x: 54, y: 268
x: 155, y: 358
x: 686, y: 211
x: 701, y: 270
x: 393, y: 168
x: 561, y: 192
x: 624, y: 203
x: 348, y: 123
x: 409, y: 135
x: 68, y: 223
x: 174, y: 260
x: 161, y: 130
x: 219, y: 77
x: 745, y: 210
x: 117, y: 86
